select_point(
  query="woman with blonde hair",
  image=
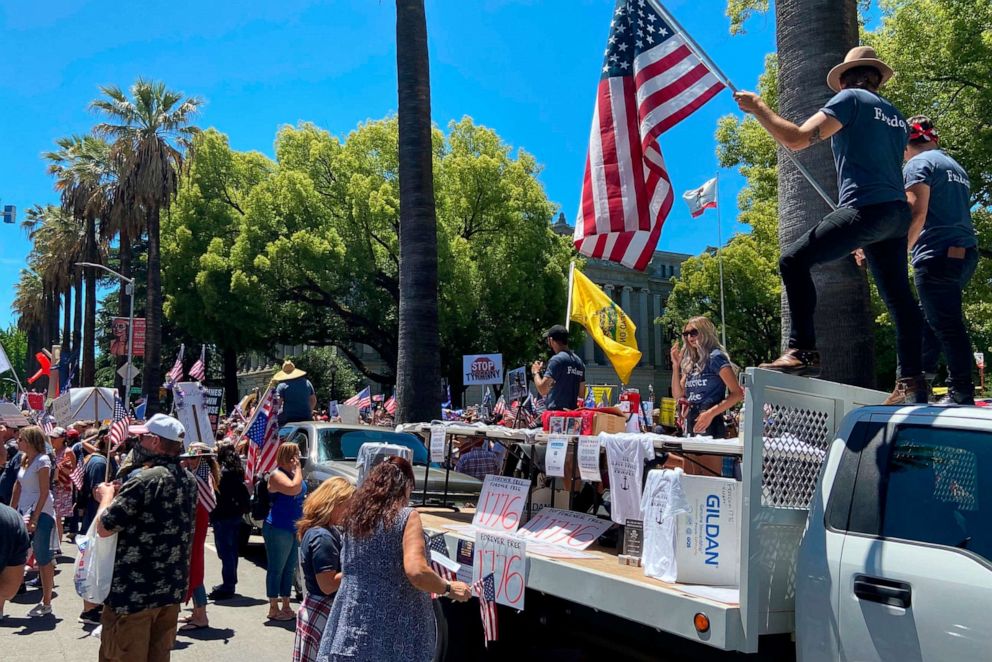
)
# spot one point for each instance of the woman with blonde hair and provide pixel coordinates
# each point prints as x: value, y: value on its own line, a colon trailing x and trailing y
x: 286, y: 493
x: 703, y: 373
x: 320, y: 559
x: 32, y: 498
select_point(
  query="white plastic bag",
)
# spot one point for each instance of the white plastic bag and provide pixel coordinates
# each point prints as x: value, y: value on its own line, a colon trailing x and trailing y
x: 95, y: 565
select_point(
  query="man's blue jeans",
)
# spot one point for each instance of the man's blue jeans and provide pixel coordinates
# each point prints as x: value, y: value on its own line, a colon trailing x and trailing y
x: 881, y: 231
x: 226, y: 532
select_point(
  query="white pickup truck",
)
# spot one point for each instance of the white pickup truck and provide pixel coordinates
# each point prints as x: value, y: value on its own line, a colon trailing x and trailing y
x: 866, y: 534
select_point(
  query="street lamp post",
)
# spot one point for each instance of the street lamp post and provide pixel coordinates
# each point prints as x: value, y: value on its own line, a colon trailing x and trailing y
x: 129, y: 289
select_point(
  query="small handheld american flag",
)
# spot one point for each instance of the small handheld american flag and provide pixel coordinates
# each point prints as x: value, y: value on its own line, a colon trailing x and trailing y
x: 176, y: 373
x: 205, y: 491
x: 485, y: 590
x: 263, y: 437
x: 199, y: 369
x: 437, y: 544
x: 118, y: 428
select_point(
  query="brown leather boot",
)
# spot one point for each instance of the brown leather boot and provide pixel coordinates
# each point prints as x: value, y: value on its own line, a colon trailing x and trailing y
x: 909, y: 391
x: 804, y: 362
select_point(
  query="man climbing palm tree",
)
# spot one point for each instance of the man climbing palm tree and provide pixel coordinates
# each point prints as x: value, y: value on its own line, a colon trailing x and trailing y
x: 868, y: 137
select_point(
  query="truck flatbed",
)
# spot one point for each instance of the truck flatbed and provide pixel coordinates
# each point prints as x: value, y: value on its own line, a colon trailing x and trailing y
x: 621, y: 590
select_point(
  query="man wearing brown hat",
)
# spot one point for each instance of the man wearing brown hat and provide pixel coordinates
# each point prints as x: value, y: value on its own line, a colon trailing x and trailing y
x: 296, y: 392
x: 868, y: 136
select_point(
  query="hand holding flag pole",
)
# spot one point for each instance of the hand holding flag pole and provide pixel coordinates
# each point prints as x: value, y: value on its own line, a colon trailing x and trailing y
x: 701, y: 54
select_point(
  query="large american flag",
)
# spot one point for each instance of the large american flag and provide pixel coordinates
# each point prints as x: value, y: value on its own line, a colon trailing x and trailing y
x: 263, y: 438
x: 362, y: 399
x: 176, y: 373
x: 437, y: 544
x: 485, y: 589
x: 118, y: 428
x: 650, y: 81
x: 199, y: 369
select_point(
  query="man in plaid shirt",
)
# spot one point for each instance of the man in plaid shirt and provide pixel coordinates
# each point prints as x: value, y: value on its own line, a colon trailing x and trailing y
x: 476, y: 458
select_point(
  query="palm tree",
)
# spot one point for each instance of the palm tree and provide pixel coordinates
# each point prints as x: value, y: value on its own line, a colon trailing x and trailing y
x: 80, y: 166
x: 812, y: 36
x: 149, y: 131
x: 418, y: 383
x: 29, y: 304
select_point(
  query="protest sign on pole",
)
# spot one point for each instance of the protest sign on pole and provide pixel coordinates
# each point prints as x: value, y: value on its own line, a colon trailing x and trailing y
x: 564, y: 527
x: 212, y: 398
x: 480, y: 369
x: 437, y: 443
x: 192, y: 413
x: 500, y: 503
x: 506, y: 559
x: 589, y: 459
x: 517, y: 382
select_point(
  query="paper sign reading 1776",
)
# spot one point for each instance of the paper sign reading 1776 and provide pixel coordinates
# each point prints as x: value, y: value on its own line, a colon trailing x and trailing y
x: 500, y: 503
x: 506, y: 559
x: 565, y: 528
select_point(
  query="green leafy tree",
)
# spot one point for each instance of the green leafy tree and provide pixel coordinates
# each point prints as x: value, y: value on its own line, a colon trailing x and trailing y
x: 333, y: 376
x: 198, y: 233
x: 15, y: 343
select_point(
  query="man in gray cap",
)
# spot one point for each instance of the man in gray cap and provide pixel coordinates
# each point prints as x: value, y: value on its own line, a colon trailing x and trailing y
x: 153, y: 516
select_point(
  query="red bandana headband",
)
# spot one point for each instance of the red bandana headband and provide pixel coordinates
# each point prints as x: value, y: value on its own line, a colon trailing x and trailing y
x: 916, y: 132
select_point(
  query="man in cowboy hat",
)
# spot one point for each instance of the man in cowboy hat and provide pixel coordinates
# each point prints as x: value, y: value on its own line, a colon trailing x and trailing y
x: 296, y: 391
x: 945, y: 253
x: 868, y: 136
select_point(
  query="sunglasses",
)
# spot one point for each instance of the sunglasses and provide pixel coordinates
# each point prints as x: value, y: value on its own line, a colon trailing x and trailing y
x: 691, y: 333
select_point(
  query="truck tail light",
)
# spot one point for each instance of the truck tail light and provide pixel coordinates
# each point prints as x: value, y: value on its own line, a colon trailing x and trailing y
x: 702, y: 623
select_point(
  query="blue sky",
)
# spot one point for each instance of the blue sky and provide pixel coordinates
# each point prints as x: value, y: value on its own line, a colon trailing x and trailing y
x: 528, y: 69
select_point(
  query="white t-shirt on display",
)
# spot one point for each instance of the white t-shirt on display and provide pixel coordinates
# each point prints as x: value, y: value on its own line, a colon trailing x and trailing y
x: 31, y: 488
x: 625, y: 458
x: 663, y: 500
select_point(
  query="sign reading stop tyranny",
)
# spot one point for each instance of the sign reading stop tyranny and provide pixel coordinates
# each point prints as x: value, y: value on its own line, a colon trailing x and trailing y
x: 482, y: 369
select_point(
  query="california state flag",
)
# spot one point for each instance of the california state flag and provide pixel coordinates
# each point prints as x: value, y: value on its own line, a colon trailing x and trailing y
x: 701, y: 198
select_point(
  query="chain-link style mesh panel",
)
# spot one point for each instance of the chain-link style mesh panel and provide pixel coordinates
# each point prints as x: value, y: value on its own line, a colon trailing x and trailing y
x: 796, y: 440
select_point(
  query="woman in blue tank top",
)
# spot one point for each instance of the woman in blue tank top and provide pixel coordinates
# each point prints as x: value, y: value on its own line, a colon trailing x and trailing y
x: 286, y: 493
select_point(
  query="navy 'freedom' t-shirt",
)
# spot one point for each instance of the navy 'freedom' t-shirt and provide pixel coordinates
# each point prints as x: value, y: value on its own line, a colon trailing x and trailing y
x: 568, y: 371
x: 948, y: 215
x: 706, y: 387
x: 868, y: 151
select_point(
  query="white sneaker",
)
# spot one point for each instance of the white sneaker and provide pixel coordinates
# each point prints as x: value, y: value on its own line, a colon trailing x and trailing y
x: 40, y: 609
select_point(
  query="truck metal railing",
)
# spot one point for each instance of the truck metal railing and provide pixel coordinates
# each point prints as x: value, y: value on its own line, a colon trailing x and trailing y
x: 788, y: 425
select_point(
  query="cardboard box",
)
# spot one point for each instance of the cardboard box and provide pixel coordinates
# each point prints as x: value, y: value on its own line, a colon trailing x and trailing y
x: 602, y: 422
x: 707, y: 538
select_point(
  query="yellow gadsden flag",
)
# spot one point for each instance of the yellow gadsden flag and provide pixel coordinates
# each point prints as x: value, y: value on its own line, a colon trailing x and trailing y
x: 609, y: 326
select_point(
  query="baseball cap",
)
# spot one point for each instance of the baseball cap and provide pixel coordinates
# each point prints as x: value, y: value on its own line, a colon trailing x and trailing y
x: 557, y: 332
x: 72, y: 433
x: 56, y: 432
x: 162, y: 426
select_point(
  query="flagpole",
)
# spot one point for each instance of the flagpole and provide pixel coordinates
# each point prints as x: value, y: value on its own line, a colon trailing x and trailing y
x: 719, y: 257
x: 701, y: 54
x: 568, y: 306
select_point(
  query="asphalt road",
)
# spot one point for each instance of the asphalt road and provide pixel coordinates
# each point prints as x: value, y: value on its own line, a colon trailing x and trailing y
x: 238, y: 629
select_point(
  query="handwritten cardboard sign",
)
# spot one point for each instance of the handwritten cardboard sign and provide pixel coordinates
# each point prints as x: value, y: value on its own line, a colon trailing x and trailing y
x: 500, y: 503
x: 506, y: 559
x: 564, y: 527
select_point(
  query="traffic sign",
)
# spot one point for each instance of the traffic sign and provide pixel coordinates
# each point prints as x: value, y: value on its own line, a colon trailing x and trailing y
x: 128, y: 372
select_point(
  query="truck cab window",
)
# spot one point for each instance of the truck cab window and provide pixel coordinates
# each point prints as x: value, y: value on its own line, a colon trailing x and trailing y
x: 938, y: 489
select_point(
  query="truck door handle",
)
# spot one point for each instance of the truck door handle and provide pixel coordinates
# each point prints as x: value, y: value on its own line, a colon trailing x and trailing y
x: 883, y: 591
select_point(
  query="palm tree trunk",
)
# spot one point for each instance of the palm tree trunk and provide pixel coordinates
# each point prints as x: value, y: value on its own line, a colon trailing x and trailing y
x: 89, y: 326
x: 77, y: 324
x: 53, y: 321
x: 123, y: 300
x: 418, y: 384
x: 152, y: 377
x: 67, y: 318
x: 813, y: 36
x: 231, y: 395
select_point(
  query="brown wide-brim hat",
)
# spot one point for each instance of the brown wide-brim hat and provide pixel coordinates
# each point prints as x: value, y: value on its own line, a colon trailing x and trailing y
x: 859, y: 56
x: 289, y: 371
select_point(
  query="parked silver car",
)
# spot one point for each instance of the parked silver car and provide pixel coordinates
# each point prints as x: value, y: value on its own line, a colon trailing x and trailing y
x: 330, y: 449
